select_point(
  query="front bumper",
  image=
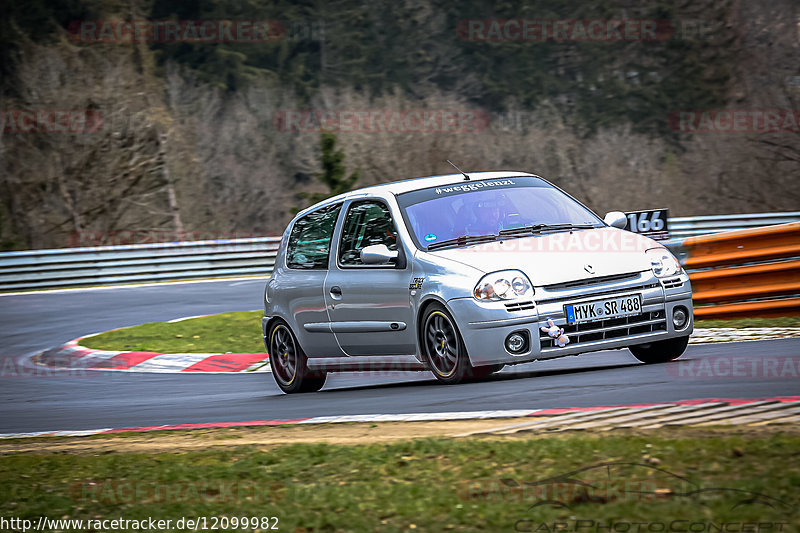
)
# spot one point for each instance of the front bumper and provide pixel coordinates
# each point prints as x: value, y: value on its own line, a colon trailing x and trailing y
x: 485, y: 326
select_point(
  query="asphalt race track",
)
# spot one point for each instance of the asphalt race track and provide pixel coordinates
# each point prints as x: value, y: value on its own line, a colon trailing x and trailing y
x: 37, y: 321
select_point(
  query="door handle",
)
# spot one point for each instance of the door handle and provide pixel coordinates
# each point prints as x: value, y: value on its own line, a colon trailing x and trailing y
x: 336, y: 292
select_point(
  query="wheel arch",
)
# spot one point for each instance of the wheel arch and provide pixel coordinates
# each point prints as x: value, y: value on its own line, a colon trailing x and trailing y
x: 425, y: 303
x: 271, y: 323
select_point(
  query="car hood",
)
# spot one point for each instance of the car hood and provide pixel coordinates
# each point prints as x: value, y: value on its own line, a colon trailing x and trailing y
x: 560, y: 257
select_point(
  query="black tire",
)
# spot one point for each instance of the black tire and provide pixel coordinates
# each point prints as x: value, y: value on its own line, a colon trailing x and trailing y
x: 443, y: 348
x: 661, y: 351
x: 289, y: 362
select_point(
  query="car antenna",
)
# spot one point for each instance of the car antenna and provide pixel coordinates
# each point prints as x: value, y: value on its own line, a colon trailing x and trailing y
x: 466, y: 178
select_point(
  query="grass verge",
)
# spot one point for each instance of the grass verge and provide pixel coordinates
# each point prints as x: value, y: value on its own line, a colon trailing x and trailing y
x: 240, y: 332
x: 433, y: 484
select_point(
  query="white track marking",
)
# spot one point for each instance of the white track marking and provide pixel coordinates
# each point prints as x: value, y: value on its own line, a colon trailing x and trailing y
x: 135, y: 285
x: 246, y: 282
x: 788, y: 412
x: 174, y: 320
x: 715, y: 413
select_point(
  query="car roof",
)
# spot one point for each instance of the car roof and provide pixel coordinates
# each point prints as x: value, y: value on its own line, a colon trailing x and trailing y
x: 413, y: 184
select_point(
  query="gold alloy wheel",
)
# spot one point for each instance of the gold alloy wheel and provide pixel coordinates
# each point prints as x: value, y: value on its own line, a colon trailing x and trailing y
x: 442, y: 344
x: 283, y: 354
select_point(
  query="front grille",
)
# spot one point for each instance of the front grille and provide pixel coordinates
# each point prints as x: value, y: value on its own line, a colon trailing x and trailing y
x: 520, y: 306
x: 611, y: 328
x: 672, y: 283
x: 590, y: 295
x: 590, y: 281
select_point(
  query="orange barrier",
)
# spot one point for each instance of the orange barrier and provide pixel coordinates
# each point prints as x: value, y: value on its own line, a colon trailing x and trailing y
x: 743, y: 246
x: 742, y: 283
x: 756, y: 278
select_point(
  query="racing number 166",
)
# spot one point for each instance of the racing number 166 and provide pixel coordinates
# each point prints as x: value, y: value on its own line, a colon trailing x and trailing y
x: 645, y: 221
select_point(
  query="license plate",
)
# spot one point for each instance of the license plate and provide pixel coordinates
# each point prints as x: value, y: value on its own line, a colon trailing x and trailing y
x: 604, y: 309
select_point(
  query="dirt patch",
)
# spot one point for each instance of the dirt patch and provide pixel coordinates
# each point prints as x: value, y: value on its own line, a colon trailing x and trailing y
x: 355, y: 433
x: 263, y: 436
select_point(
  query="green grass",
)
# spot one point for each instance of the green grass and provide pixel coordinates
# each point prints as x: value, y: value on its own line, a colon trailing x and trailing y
x: 240, y: 332
x: 427, y: 485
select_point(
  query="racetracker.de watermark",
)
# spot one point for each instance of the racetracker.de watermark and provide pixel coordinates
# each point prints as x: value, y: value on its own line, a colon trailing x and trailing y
x: 176, y: 31
x: 621, y: 481
x: 382, y: 120
x: 649, y: 526
x: 584, y: 241
x: 595, y: 490
x: 11, y: 367
x: 50, y: 120
x: 564, y: 30
x: 735, y: 121
x: 737, y: 366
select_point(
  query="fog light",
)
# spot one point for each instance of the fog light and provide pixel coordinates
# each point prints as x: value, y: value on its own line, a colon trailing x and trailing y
x: 680, y: 317
x: 517, y: 342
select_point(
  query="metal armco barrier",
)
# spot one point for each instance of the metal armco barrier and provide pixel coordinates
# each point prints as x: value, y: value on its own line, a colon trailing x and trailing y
x: 683, y: 227
x: 144, y: 263
x: 745, y: 273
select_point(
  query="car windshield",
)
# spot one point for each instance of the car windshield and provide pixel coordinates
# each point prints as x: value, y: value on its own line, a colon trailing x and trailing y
x: 488, y: 207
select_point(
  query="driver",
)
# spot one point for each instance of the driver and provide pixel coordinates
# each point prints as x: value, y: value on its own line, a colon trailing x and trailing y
x: 487, y: 218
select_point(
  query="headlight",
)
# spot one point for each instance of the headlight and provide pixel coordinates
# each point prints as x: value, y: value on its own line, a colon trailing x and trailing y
x: 663, y: 263
x: 503, y: 285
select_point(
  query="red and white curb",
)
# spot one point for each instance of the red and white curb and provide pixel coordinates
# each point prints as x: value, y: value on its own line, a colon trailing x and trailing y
x: 706, y: 411
x: 696, y: 413
x: 73, y: 356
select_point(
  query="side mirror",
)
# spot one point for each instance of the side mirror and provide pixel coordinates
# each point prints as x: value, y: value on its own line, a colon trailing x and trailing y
x: 616, y: 219
x: 378, y: 254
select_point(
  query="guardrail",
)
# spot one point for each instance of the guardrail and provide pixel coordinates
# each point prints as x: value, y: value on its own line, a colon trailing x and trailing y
x: 144, y: 263
x: 745, y: 273
x: 684, y: 227
x: 103, y: 265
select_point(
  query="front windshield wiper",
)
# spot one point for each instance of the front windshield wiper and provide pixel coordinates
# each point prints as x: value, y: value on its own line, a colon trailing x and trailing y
x: 539, y: 228
x: 462, y: 241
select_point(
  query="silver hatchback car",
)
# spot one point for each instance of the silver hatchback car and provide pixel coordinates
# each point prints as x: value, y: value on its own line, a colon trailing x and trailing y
x: 462, y: 275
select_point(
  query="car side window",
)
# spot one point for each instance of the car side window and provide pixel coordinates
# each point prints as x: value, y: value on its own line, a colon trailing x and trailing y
x: 310, y: 240
x: 368, y: 222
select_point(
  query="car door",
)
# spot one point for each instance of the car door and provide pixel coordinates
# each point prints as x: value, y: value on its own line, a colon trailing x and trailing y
x: 369, y: 305
x: 307, y: 257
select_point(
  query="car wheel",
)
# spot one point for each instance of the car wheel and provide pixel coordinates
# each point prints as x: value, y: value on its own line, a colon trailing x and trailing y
x: 443, y: 348
x: 660, y: 351
x: 289, y: 362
